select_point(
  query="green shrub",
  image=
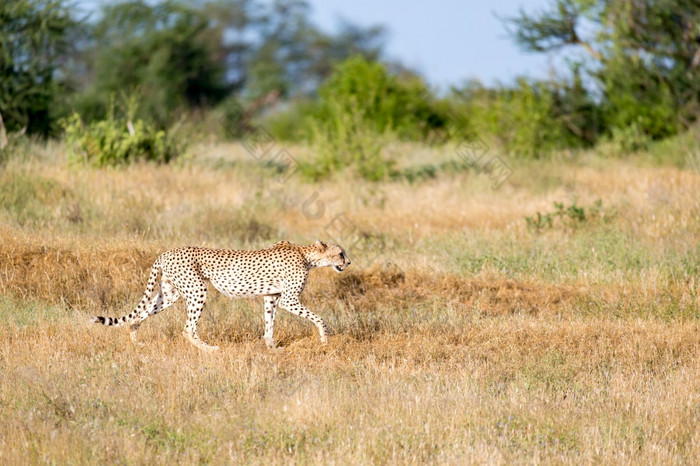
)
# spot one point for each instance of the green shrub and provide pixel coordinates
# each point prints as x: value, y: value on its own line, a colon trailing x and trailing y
x: 629, y: 139
x: 347, y: 142
x: 287, y: 123
x: 380, y: 100
x: 530, y: 119
x: 361, y: 106
x: 110, y: 142
x: 639, y: 104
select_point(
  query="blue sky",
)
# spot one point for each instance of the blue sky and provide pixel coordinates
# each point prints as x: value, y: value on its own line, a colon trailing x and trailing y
x: 446, y: 41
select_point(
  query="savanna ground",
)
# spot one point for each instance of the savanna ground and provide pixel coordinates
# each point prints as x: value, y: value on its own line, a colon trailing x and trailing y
x: 473, y: 337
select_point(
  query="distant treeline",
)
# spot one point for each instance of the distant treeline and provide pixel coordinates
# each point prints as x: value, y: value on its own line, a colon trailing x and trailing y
x: 177, y: 57
x: 632, y: 76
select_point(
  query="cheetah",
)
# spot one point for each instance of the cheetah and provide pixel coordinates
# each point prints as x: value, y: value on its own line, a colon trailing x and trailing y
x: 278, y: 273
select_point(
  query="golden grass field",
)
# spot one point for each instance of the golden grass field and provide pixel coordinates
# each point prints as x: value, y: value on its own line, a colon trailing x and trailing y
x: 471, y: 338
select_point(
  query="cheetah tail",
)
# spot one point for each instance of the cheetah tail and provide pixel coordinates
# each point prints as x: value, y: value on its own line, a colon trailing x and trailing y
x: 147, y: 296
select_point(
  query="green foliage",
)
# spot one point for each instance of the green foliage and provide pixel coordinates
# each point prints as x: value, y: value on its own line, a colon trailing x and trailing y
x: 34, y: 35
x: 629, y: 139
x: 643, y: 56
x: 186, y: 58
x: 360, y: 106
x: 530, y: 119
x: 295, y: 56
x: 350, y: 144
x: 573, y: 213
x: 166, y: 52
x: 110, y: 142
x: 635, y: 84
x: 287, y: 123
x: 639, y: 105
x: 380, y: 100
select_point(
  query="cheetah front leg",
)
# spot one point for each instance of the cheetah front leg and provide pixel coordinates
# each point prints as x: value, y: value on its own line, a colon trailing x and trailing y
x: 292, y: 304
x: 270, y: 303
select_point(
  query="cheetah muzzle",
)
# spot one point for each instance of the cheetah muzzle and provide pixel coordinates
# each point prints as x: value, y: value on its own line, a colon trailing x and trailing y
x: 278, y: 273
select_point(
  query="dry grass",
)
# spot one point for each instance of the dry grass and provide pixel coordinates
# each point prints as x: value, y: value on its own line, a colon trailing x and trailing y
x: 470, y: 339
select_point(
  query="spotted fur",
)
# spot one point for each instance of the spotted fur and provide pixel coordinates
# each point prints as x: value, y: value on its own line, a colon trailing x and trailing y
x: 278, y: 273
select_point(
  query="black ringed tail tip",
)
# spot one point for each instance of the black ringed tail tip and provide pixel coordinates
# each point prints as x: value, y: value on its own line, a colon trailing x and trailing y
x: 98, y: 320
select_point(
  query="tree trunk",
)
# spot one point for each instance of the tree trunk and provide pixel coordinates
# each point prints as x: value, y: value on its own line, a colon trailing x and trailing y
x: 3, y: 134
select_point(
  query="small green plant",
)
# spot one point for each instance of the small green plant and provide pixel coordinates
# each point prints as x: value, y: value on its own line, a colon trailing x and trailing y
x: 572, y: 215
x: 539, y: 222
x: 118, y: 141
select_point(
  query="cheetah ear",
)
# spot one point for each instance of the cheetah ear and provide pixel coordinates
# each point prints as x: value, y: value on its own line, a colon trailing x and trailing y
x: 320, y: 245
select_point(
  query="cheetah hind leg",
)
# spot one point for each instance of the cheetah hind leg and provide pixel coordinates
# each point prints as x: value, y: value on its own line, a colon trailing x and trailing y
x: 270, y: 302
x: 196, y: 341
x: 195, y: 305
x: 166, y: 297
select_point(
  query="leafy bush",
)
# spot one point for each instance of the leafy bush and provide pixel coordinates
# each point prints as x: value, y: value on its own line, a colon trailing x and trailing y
x: 629, y: 139
x: 530, y: 119
x: 347, y: 142
x: 382, y: 101
x: 640, y: 56
x: 287, y: 122
x: 639, y: 105
x: 360, y: 106
x: 113, y: 142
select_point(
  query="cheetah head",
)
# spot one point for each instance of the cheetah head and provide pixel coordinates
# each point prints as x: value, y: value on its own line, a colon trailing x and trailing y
x: 331, y: 255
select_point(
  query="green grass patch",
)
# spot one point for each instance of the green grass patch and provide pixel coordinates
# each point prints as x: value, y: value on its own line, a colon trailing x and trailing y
x: 22, y: 313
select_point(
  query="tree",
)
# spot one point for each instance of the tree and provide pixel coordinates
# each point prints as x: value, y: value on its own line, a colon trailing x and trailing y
x: 295, y: 56
x: 187, y: 56
x: 170, y: 53
x: 34, y: 37
x: 643, y: 54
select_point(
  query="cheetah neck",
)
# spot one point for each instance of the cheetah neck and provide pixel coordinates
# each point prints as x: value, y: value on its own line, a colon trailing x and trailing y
x: 312, y: 257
